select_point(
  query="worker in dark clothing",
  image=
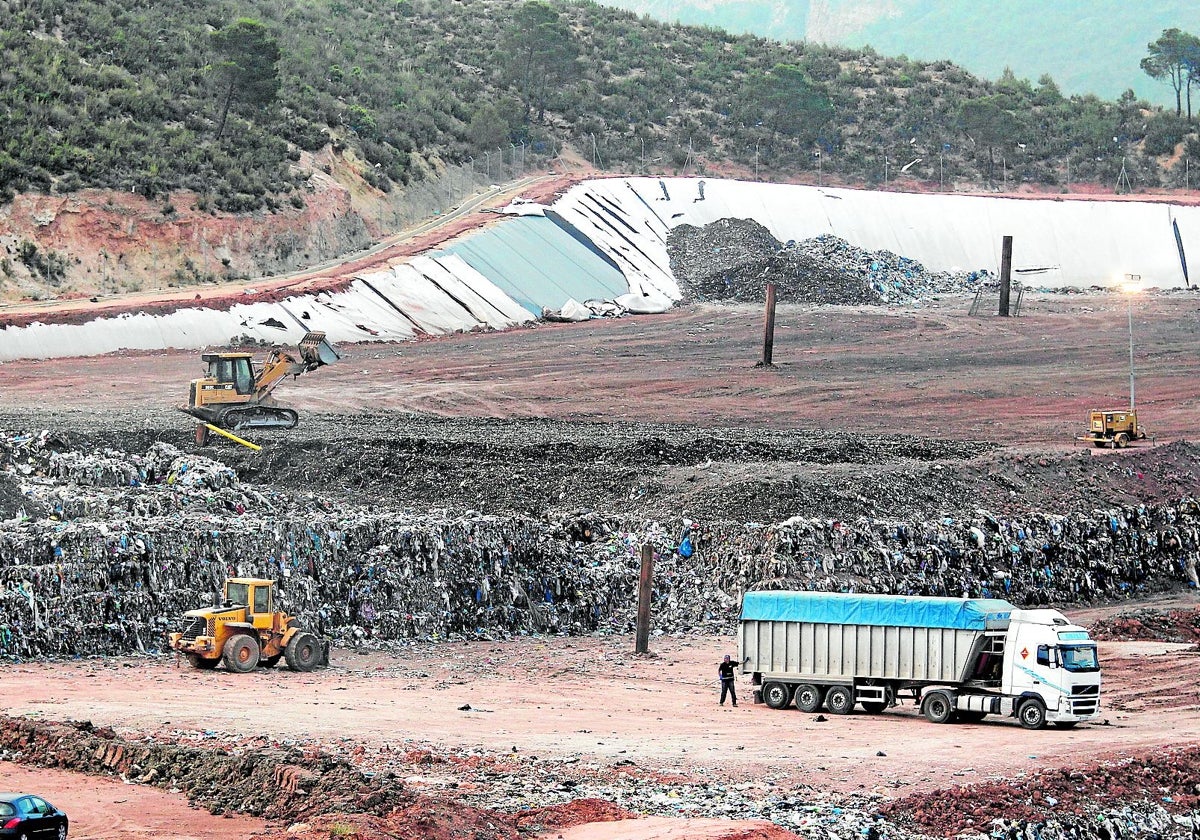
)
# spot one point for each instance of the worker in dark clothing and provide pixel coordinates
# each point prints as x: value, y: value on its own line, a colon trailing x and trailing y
x: 725, y: 675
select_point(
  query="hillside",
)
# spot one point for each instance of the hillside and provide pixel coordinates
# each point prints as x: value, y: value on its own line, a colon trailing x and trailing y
x: 261, y: 144
x: 1087, y: 47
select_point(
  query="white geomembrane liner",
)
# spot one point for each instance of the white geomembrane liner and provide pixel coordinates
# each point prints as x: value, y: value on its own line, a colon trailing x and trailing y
x: 1056, y: 243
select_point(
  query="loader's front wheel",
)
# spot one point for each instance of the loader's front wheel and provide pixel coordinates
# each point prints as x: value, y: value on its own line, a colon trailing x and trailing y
x: 241, y: 654
x: 200, y: 663
x: 303, y: 652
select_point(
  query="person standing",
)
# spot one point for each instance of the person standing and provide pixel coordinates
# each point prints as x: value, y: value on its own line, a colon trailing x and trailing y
x: 728, y: 684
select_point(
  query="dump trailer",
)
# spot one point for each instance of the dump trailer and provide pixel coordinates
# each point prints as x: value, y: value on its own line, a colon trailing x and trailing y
x: 957, y: 659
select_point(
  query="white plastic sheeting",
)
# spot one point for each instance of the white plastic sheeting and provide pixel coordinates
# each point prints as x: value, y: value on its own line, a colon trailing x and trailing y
x: 426, y: 295
x: 1056, y: 242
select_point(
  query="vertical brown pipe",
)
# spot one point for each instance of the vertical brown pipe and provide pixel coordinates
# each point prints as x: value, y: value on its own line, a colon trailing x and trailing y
x: 1005, y: 274
x: 642, y: 644
x: 769, y: 329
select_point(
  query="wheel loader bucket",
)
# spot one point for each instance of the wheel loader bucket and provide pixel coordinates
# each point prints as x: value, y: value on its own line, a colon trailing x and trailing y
x: 316, y: 351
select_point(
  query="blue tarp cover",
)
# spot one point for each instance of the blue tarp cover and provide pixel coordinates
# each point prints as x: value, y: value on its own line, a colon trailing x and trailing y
x: 884, y: 610
x: 539, y: 264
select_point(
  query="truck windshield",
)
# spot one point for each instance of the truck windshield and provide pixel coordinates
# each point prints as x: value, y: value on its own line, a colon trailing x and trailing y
x: 237, y: 593
x: 1081, y: 658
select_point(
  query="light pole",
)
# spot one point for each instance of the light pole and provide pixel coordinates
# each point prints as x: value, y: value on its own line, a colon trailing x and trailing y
x: 1132, y: 282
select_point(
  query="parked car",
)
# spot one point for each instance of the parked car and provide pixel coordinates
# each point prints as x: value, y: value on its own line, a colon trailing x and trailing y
x: 24, y: 816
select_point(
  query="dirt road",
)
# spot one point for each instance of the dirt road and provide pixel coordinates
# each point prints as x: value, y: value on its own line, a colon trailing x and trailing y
x: 932, y: 371
x: 110, y: 809
x: 569, y: 708
x: 590, y: 698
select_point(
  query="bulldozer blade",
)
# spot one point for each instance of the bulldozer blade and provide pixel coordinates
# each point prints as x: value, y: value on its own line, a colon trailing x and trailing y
x: 316, y: 351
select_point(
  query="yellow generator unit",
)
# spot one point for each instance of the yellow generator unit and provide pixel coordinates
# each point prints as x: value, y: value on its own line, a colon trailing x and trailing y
x: 246, y: 632
x: 1113, y: 427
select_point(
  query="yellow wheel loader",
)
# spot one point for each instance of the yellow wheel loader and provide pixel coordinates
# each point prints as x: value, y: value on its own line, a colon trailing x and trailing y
x: 246, y: 632
x: 236, y: 393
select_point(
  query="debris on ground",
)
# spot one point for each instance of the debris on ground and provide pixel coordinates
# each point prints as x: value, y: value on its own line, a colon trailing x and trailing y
x: 1152, y: 795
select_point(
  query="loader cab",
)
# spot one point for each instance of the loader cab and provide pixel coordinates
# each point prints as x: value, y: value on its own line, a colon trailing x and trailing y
x: 236, y: 369
x: 256, y: 595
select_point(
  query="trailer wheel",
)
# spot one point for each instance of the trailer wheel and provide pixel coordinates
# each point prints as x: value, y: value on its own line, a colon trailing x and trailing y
x: 776, y: 695
x: 809, y: 697
x: 240, y: 654
x: 840, y: 700
x: 1121, y: 441
x: 938, y: 707
x: 1032, y: 714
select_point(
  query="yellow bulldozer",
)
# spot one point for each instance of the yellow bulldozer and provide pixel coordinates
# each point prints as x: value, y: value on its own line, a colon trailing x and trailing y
x: 246, y: 632
x: 236, y: 393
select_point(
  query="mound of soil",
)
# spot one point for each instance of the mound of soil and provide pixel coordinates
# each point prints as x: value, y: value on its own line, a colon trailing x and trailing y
x: 1150, y: 625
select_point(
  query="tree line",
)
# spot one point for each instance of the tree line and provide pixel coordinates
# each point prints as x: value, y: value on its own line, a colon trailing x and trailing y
x: 226, y: 98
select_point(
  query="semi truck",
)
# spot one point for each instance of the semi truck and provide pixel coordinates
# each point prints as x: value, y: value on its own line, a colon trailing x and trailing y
x: 957, y: 659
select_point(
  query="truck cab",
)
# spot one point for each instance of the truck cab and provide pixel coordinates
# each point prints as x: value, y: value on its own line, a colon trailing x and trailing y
x: 1053, y: 661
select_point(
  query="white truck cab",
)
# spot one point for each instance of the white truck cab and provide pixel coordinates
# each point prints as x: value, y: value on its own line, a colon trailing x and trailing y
x: 1049, y: 657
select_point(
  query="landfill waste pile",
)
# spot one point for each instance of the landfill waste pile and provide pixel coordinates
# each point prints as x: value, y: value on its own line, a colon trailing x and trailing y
x: 735, y: 259
x: 1159, y: 797
x: 1181, y: 626
x: 106, y: 549
x: 1154, y: 796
